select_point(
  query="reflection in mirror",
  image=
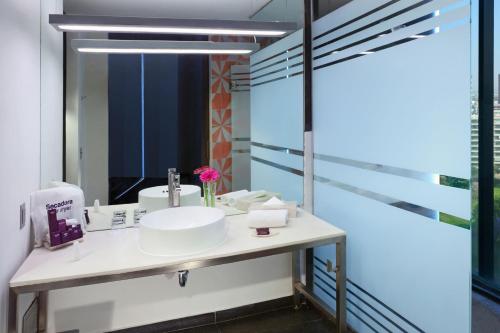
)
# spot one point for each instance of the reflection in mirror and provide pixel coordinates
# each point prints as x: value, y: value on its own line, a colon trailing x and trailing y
x: 135, y: 116
x: 129, y: 118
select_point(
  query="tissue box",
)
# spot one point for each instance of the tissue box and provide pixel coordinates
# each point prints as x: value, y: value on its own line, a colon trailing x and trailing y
x: 291, y: 206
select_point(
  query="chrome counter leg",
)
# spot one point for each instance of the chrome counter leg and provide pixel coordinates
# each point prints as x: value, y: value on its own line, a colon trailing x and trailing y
x: 12, y: 320
x: 296, y: 278
x: 341, y: 286
x: 43, y: 298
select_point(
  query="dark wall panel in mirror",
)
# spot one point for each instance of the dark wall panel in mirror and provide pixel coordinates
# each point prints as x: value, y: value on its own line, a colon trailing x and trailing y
x: 161, y: 135
x: 158, y: 116
x: 124, y: 107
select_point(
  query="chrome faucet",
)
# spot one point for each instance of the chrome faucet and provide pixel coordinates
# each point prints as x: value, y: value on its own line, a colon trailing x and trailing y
x: 174, y: 188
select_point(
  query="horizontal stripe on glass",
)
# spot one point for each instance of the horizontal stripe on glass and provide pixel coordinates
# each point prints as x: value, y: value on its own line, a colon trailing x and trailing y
x: 278, y: 148
x: 278, y: 166
x: 412, y: 208
x: 396, y: 171
x: 379, y: 48
x: 372, y: 37
x: 241, y: 151
x: 372, y: 24
x: 356, y: 19
x: 275, y: 55
x: 363, y: 291
x: 276, y: 63
x: 277, y: 79
x: 288, y: 67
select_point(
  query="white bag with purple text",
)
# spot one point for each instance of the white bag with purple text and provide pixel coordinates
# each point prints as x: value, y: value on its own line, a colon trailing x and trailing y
x: 69, y: 202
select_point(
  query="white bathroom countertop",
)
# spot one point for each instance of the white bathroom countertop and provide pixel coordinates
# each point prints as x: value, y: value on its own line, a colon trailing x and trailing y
x: 116, y: 252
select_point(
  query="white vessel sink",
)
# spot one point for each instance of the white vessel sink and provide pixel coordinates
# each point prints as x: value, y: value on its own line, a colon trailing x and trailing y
x: 155, y: 198
x: 182, y: 230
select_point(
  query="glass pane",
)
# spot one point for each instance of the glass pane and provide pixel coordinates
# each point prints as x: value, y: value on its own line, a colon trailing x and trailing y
x: 474, y: 134
x: 496, y: 138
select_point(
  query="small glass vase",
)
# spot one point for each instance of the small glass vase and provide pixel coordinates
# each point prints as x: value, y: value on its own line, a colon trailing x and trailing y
x: 209, y: 194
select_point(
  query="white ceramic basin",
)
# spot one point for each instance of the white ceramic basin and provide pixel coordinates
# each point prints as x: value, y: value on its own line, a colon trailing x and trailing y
x: 182, y: 230
x: 155, y: 198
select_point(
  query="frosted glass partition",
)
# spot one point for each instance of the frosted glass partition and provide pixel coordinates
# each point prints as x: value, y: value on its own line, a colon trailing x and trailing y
x: 391, y: 119
x: 240, y: 121
x: 277, y: 124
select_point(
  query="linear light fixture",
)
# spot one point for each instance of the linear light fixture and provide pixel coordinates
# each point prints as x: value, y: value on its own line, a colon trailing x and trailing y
x: 160, y: 47
x: 82, y: 23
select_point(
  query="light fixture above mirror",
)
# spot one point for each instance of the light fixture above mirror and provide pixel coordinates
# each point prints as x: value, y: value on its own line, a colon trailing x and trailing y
x: 84, y: 23
x: 161, y: 47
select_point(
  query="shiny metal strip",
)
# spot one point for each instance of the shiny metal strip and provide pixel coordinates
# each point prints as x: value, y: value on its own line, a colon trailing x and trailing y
x: 241, y: 151
x: 277, y: 79
x: 404, y: 205
x: 278, y: 166
x: 396, y: 171
x: 278, y: 148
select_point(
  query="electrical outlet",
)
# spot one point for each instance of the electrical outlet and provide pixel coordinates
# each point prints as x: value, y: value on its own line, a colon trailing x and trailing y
x: 22, y: 215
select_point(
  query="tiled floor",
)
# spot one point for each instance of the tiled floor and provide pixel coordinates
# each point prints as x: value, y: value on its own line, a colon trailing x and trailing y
x: 305, y: 320
x: 485, y: 315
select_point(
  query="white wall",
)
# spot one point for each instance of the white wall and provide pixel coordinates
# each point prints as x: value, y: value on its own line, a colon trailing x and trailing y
x: 51, y: 53
x: 112, y: 306
x: 87, y: 120
x: 19, y: 131
x: 72, y: 104
x: 94, y: 127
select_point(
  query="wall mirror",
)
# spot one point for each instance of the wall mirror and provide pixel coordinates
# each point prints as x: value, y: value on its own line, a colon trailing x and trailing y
x: 128, y: 118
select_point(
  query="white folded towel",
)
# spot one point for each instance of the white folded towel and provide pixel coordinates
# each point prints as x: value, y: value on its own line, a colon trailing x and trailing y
x: 267, y: 218
x: 274, y: 203
x: 231, y: 197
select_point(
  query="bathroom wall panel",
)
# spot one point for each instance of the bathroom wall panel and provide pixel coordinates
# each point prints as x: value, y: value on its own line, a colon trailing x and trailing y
x: 391, y: 96
x: 20, y: 120
x: 51, y: 97
x: 277, y: 117
x: 94, y: 128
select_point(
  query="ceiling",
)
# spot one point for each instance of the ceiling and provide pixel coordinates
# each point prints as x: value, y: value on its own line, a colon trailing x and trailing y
x: 209, y: 9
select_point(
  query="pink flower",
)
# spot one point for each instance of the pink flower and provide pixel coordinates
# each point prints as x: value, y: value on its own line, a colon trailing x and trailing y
x: 201, y: 169
x: 209, y: 175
